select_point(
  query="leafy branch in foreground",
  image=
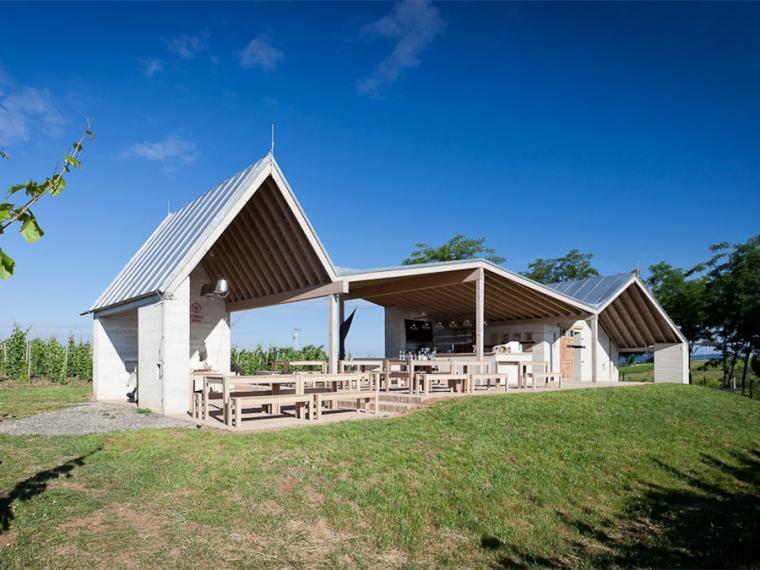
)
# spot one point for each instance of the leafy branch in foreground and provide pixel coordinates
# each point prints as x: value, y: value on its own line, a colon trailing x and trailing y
x: 22, y: 214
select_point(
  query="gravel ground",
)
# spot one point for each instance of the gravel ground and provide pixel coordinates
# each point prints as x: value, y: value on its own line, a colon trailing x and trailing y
x: 92, y: 417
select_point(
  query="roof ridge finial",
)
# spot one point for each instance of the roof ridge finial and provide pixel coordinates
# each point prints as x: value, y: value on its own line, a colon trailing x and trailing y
x: 271, y: 150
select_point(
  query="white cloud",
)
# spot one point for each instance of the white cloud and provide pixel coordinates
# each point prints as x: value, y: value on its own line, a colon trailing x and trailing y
x: 187, y: 46
x: 413, y: 25
x: 173, y: 151
x: 260, y: 54
x: 153, y: 65
x: 24, y: 111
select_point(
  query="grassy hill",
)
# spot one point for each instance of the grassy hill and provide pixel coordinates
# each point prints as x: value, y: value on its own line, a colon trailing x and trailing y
x: 659, y: 475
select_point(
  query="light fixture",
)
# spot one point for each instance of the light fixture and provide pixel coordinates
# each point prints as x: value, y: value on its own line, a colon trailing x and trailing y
x: 453, y: 325
x: 467, y: 323
x: 427, y: 325
x: 219, y: 289
x: 413, y: 326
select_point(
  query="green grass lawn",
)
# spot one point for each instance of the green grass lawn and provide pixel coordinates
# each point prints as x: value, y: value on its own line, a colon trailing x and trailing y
x: 660, y: 475
x: 21, y: 400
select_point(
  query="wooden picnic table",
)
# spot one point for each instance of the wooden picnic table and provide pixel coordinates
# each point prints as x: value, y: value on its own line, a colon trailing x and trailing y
x: 522, y: 366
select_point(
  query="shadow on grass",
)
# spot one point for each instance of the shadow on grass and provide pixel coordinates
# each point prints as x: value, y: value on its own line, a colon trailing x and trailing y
x: 35, y: 485
x: 702, y: 526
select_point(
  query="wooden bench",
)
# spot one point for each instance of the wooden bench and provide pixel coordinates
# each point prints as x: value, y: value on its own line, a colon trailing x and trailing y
x: 456, y: 382
x: 363, y: 400
x: 548, y: 377
x: 497, y: 376
x: 303, y: 403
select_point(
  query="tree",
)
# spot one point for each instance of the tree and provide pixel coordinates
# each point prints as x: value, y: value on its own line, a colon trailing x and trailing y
x: 573, y: 265
x: 683, y: 296
x: 733, y: 303
x: 22, y: 214
x: 458, y: 247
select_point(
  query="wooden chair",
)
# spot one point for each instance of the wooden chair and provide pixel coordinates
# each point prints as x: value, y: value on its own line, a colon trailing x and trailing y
x: 554, y: 377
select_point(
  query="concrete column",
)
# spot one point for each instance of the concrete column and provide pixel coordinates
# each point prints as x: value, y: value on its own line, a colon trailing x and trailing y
x: 332, y: 333
x: 479, y: 312
x: 594, y: 347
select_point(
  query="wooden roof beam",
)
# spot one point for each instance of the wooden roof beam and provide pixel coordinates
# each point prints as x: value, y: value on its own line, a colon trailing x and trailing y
x: 240, y: 234
x: 285, y: 242
x: 408, y: 284
x: 306, y: 248
x: 303, y: 294
x: 278, y: 256
x: 634, y: 311
x: 258, y: 244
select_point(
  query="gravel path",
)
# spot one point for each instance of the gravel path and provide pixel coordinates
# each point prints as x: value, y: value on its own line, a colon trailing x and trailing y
x: 91, y: 417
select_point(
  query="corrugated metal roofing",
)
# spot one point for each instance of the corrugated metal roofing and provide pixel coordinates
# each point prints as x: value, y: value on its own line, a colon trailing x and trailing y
x: 155, y: 264
x: 593, y: 291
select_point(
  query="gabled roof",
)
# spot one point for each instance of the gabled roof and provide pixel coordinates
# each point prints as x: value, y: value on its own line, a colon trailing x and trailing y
x: 183, y: 237
x: 594, y: 291
x: 508, y: 295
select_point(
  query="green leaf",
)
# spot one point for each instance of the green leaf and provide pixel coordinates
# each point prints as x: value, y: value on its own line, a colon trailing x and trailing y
x: 57, y: 184
x: 72, y: 161
x: 7, y: 265
x: 16, y: 187
x: 30, y: 229
x: 6, y: 210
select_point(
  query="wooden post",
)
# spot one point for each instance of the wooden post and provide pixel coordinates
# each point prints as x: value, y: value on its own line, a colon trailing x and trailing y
x: 594, y: 340
x: 332, y: 333
x: 479, y: 311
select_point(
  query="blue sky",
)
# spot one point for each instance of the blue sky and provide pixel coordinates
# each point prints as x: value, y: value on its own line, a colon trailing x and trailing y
x: 625, y: 130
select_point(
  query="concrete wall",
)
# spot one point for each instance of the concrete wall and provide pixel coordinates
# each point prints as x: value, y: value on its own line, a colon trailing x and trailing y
x: 164, y: 341
x: 671, y: 363
x: 114, y: 354
x: 395, y: 333
x: 210, y: 339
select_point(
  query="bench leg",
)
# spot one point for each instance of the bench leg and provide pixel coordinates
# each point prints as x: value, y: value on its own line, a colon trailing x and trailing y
x: 238, y: 413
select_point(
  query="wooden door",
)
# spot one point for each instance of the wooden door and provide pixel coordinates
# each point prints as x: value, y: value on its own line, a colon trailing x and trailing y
x: 567, y: 357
